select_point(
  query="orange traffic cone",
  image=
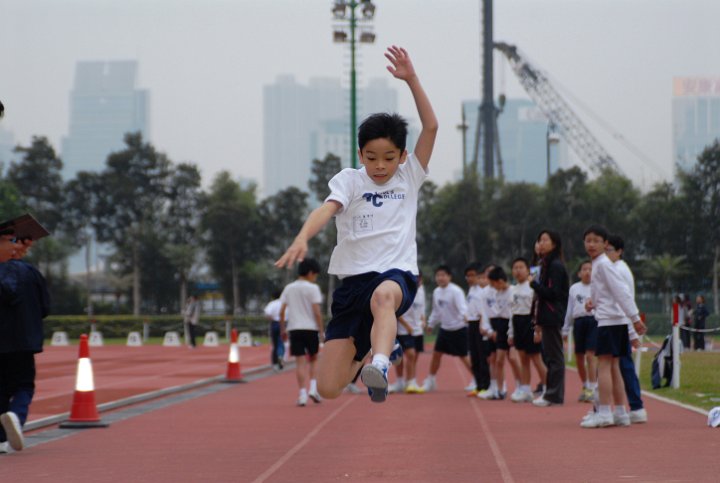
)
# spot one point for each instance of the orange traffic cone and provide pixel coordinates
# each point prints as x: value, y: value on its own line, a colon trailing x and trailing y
x: 84, y: 413
x: 234, y: 373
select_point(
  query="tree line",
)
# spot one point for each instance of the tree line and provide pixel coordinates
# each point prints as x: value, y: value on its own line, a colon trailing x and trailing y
x: 166, y: 232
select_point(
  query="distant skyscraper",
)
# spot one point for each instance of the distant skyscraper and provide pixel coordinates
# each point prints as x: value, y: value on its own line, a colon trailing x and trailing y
x: 105, y: 104
x: 696, y: 117
x: 523, y: 132
x: 306, y: 122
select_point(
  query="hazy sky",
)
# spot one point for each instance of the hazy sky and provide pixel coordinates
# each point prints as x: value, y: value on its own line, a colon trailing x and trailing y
x: 206, y: 61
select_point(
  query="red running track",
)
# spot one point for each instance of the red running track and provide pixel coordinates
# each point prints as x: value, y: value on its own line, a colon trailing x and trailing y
x: 122, y: 371
x: 254, y: 433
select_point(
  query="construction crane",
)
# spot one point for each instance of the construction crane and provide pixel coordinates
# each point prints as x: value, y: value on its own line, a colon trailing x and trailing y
x: 558, y: 112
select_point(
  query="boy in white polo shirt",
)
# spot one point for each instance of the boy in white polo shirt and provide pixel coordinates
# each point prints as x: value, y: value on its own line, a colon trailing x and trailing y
x: 375, y: 211
x: 449, y: 310
x: 300, y: 317
x: 613, y: 304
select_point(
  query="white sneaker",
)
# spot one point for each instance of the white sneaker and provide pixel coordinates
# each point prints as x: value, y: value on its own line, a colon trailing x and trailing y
x: 621, y: 420
x: 471, y: 387
x: 413, y: 388
x: 638, y: 416
x: 5, y: 447
x: 488, y: 395
x: 541, y: 402
x: 13, y: 430
x: 590, y: 414
x: 429, y: 385
x: 353, y: 389
x: 396, y: 387
x: 525, y: 397
x: 597, y: 420
x: 517, y: 395
x: 302, y: 400
x: 315, y: 397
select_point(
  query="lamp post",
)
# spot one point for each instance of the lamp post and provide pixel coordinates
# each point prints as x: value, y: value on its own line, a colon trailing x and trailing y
x: 345, y: 30
x: 550, y: 138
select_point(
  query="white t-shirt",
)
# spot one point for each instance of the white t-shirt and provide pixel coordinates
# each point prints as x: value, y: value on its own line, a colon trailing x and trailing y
x: 610, y: 294
x: 272, y: 310
x: 474, y: 302
x: 630, y: 281
x: 577, y: 296
x: 496, y: 305
x: 522, y: 297
x: 414, y: 315
x: 448, y: 308
x: 299, y: 297
x: 376, y: 223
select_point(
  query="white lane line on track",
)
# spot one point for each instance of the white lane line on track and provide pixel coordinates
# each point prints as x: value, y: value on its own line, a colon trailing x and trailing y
x: 284, y: 459
x: 502, y: 465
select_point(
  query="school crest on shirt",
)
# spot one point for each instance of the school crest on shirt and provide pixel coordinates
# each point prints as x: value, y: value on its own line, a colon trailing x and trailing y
x: 378, y: 199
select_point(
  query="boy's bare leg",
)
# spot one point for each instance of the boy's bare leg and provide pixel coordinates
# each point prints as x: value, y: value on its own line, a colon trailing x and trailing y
x: 514, y: 364
x: 312, y: 369
x: 500, y: 356
x: 619, y: 395
x: 591, y: 366
x: 301, y: 371
x: 580, y: 361
x: 337, y: 367
x: 409, y: 358
x: 435, y: 362
x: 524, y: 368
x: 385, y: 300
x: 400, y: 368
x: 540, y: 367
x: 605, y: 380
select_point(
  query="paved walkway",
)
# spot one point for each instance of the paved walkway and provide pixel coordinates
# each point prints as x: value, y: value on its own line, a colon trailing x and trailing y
x: 253, y: 433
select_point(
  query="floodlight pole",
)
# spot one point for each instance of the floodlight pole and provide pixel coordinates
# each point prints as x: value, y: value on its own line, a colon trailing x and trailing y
x: 353, y: 89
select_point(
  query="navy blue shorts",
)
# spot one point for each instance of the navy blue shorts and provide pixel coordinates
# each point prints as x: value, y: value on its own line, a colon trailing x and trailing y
x: 500, y: 327
x: 304, y: 342
x: 452, y: 342
x: 613, y: 340
x: 351, y: 315
x: 419, y: 343
x: 524, y: 333
x: 585, y: 334
x: 407, y: 342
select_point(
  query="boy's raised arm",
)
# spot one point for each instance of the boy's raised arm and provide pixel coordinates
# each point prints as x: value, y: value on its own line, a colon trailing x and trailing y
x: 403, y: 69
x: 314, y: 223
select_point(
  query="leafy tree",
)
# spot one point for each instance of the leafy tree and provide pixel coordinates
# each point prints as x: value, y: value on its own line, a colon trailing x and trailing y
x: 134, y: 194
x: 662, y: 271
x: 566, y: 209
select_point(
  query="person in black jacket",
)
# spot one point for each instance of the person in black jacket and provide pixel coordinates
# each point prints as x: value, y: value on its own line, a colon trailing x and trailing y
x: 551, y: 288
x: 24, y: 302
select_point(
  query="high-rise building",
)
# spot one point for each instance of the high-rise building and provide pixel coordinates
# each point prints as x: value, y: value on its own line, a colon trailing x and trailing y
x: 305, y: 122
x: 105, y: 104
x: 524, y: 142
x: 696, y: 117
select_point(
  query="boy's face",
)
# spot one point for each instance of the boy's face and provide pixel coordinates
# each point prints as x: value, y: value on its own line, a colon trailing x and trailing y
x: 499, y: 285
x: 520, y: 272
x: 7, y: 248
x: 613, y: 253
x: 585, y: 273
x: 381, y: 159
x: 471, y: 277
x: 594, y: 245
x: 442, y: 278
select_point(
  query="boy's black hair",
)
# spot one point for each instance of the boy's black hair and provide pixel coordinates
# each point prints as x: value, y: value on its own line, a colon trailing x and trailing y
x: 383, y: 126
x: 476, y: 266
x: 276, y: 294
x: 583, y: 263
x: 521, y: 259
x: 598, y: 230
x: 309, y: 265
x: 616, y: 242
x: 497, y: 274
x: 444, y: 268
x: 485, y: 267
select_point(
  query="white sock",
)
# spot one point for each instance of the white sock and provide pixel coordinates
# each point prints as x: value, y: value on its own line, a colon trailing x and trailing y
x: 412, y: 382
x: 303, y: 392
x: 401, y: 381
x: 586, y: 385
x: 504, y: 387
x: 493, y: 385
x: 517, y: 384
x: 313, y: 385
x: 604, y: 410
x: 592, y: 385
x: 620, y: 411
x: 526, y: 388
x: 381, y: 361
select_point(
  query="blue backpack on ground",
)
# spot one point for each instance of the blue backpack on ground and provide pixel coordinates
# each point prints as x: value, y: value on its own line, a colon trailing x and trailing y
x: 662, y: 365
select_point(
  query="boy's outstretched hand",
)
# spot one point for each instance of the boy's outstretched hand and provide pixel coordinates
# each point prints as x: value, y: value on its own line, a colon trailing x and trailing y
x: 401, y: 67
x: 295, y: 253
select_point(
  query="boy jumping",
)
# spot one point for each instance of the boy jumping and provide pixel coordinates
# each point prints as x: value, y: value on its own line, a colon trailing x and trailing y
x: 375, y: 208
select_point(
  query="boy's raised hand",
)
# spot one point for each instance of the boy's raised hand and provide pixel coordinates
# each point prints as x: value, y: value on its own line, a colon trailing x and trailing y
x: 401, y: 67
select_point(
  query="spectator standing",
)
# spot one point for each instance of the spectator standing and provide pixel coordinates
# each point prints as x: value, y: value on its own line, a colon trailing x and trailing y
x: 700, y: 315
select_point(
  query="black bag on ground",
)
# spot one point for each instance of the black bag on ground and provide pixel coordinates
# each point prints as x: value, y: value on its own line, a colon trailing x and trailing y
x: 662, y: 365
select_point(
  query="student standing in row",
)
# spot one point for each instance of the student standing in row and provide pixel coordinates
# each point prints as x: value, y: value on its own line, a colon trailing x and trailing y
x: 301, y: 318
x: 449, y: 311
x: 584, y: 327
x: 613, y: 304
x: 551, y: 291
x: 411, y: 324
x: 521, y: 331
x: 477, y: 343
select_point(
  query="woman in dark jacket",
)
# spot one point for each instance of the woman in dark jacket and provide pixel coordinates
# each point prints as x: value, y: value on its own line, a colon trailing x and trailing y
x: 551, y: 296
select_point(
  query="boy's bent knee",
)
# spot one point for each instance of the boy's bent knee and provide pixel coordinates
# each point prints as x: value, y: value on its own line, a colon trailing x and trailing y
x: 386, y: 295
x: 329, y: 390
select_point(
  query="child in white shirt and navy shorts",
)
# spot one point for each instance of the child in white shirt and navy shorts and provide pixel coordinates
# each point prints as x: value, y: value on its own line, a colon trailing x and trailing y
x: 375, y: 211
